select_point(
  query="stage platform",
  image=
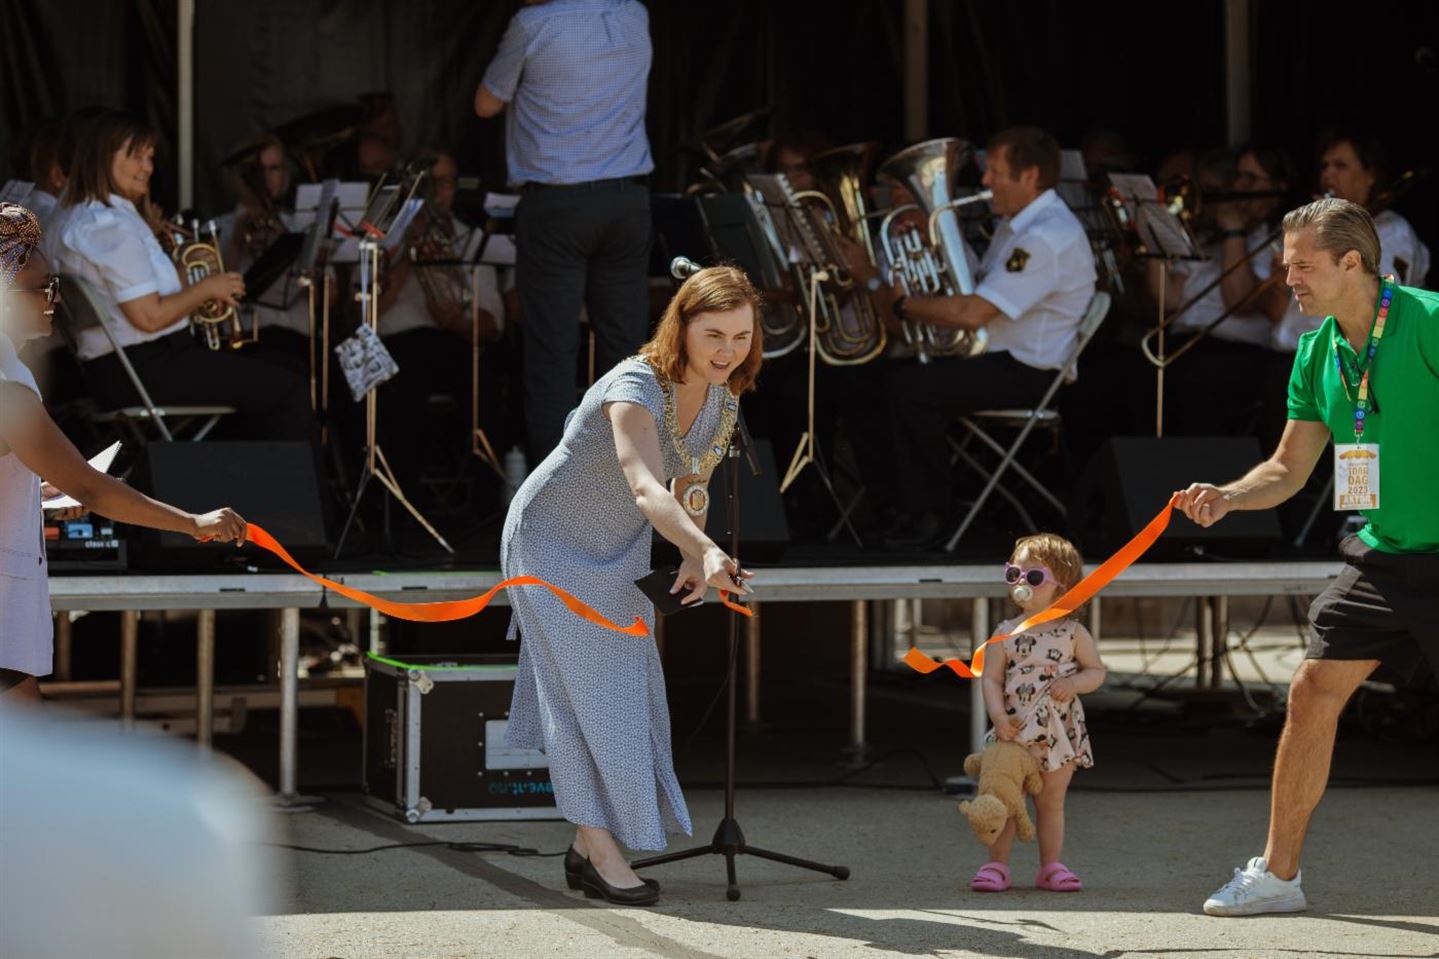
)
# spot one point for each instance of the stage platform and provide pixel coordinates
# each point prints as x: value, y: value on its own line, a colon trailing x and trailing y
x: 861, y: 586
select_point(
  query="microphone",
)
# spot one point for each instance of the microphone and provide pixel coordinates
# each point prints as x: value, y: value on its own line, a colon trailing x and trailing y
x: 682, y: 268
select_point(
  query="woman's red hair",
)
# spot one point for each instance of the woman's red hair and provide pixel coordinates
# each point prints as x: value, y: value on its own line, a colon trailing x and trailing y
x: 715, y: 289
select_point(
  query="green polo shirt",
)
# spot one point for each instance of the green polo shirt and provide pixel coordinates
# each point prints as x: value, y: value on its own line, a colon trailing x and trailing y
x: 1404, y: 385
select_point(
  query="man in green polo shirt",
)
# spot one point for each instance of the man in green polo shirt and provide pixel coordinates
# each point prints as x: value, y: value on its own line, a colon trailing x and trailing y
x: 1368, y: 377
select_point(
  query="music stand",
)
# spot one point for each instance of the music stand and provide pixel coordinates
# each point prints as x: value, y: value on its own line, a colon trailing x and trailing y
x: 383, y: 224
x: 1162, y: 237
x: 729, y: 840
x: 812, y: 254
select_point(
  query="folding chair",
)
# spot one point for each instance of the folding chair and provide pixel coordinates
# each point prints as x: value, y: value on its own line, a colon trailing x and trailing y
x: 1026, y: 420
x: 79, y: 310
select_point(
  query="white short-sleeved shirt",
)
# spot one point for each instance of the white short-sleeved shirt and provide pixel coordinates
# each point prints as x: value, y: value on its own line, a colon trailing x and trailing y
x: 410, y: 312
x: 1401, y: 253
x: 111, y: 247
x: 1251, y: 327
x: 43, y: 205
x: 1039, y: 273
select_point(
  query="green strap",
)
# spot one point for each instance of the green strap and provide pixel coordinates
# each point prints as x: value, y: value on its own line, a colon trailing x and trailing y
x: 398, y: 664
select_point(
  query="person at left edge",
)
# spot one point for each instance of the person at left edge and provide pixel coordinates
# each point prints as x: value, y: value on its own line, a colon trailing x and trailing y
x: 593, y: 699
x: 31, y: 445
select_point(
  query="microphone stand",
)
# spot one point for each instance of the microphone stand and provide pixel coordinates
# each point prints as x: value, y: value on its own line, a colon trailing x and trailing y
x: 729, y: 840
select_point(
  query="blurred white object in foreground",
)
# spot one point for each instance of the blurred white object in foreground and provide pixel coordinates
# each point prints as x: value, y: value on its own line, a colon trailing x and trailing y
x: 123, y: 846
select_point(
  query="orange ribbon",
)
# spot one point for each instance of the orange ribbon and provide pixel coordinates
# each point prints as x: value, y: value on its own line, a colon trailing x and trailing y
x: 444, y: 612
x: 1077, y: 596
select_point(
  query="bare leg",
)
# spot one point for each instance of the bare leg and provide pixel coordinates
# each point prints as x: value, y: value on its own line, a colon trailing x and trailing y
x: 605, y: 854
x: 1049, y: 813
x: 24, y: 693
x: 1317, y: 695
x: 999, y: 852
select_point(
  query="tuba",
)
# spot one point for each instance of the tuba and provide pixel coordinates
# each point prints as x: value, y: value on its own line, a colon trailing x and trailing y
x: 933, y: 264
x: 197, y: 253
x: 850, y: 331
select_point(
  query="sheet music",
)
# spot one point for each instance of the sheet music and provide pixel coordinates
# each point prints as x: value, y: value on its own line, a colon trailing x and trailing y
x: 501, y: 204
x: 101, y: 461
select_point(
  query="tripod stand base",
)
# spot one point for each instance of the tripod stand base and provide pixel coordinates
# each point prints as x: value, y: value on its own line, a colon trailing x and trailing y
x: 729, y: 842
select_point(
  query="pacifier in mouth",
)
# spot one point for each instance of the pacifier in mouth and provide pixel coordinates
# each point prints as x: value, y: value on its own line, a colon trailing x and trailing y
x: 1022, y: 593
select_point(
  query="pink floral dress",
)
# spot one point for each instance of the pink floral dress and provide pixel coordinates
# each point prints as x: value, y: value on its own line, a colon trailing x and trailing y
x: 1054, y: 732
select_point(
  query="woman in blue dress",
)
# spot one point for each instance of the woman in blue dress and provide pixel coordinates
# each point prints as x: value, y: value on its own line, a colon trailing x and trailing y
x: 636, y: 456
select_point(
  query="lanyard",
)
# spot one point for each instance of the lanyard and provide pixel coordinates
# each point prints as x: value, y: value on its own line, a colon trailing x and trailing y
x: 1361, y: 404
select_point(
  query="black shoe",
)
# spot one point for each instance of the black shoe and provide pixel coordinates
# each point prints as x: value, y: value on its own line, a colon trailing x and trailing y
x: 595, y: 887
x: 918, y: 532
x: 575, y: 864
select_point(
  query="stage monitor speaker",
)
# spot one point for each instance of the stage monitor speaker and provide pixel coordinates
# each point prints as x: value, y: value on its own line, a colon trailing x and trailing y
x: 763, y: 530
x: 275, y: 484
x: 1130, y: 479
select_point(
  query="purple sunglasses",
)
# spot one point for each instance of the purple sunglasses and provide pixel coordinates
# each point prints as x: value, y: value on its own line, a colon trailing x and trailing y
x: 1035, y: 577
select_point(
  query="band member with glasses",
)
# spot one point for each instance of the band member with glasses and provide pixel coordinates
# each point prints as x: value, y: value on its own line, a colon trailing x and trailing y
x: 571, y: 79
x: 1214, y: 388
x: 1034, y: 284
x: 1367, y: 380
x: 426, y: 325
x: 1355, y: 166
x: 31, y: 446
x: 147, y: 305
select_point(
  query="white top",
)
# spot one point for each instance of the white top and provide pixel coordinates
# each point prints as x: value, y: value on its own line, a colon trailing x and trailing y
x: 43, y: 205
x: 1039, y: 272
x: 112, y: 247
x: 26, y: 636
x: 410, y: 312
x: 1401, y: 253
x: 1251, y: 327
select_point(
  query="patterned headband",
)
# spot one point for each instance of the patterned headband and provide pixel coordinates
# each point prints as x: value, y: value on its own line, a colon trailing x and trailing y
x: 19, y: 234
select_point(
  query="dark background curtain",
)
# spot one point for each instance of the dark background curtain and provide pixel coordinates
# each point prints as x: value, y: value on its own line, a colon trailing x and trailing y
x: 1152, y: 74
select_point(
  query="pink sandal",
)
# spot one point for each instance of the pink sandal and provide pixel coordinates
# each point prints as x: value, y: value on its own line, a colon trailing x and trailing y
x: 1057, y: 877
x: 992, y: 877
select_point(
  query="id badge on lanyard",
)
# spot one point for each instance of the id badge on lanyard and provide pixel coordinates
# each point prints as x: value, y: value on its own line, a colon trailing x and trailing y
x: 1356, y: 476
x: 1356, y: 464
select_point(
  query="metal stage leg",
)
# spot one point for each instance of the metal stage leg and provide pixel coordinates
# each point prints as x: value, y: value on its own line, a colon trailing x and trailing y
x: 288, y: 799
x: 1096, y: 619
x: 751, y: 667
x: 129, y: 650
x: 858, y: 677
x: 205, y: 680
x: 64, y: 646
x: 978, y: 715
x: 1218, y: 639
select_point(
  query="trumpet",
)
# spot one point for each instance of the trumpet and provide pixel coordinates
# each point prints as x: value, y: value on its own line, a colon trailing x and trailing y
x: 198, y: 254
x: 933, y: 264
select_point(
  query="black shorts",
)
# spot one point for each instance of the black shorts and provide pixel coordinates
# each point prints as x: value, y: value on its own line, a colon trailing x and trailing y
x: 1382, y: 606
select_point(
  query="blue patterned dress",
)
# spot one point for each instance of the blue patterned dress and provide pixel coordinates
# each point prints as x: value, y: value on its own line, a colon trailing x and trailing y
x: 592, y: 699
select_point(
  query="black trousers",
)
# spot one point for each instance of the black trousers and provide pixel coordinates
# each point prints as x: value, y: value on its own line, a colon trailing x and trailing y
x: 271, y: 402
x: 905, y: 453
x: 588, y: 244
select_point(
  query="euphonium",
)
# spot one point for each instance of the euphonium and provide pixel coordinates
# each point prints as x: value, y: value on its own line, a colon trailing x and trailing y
x: 934, y: 264
x: 851, y: 331
x: 435, y: 254
x: 199, y: 257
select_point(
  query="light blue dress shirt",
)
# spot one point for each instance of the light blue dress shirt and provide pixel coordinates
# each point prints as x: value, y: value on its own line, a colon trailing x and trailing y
x: 574, y: 76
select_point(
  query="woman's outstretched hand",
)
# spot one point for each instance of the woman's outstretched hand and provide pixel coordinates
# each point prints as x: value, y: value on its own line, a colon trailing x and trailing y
x: 715, y: 569
x: 223, y: 525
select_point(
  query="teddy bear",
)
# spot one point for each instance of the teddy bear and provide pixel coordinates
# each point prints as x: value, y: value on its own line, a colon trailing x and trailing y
x: 1006, y: 772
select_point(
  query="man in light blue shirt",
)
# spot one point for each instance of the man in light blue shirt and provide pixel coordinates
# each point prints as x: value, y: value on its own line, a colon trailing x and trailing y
x: 573, y: 74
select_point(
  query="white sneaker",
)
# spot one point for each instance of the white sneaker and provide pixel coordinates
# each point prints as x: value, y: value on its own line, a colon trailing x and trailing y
x: 1255, y: 890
